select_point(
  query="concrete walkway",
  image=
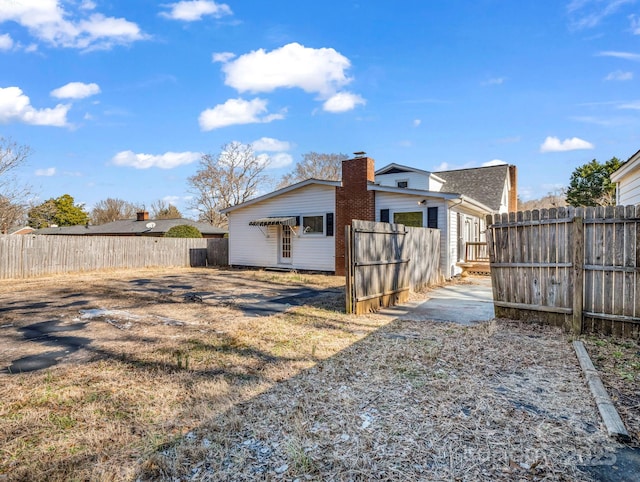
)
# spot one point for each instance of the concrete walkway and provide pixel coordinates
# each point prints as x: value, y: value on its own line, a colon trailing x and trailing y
x: 465, y: 303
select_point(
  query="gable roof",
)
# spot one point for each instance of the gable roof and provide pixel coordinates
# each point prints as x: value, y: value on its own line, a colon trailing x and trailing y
x: 628, y: 167
x: 395, y: 168
x: 132, y: 227
x: 484, y: 184
x: 278, y: 192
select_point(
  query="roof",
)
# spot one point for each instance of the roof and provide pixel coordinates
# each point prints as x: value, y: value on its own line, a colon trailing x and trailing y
x: 484, y: 184
x: 394, y: 168
x: 292, y: 187
x: 132, y: 227
x: 627, y: 168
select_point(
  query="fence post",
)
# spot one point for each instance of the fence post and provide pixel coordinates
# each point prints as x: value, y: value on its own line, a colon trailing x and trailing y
x: 348, y: 270
x: 577, y: 232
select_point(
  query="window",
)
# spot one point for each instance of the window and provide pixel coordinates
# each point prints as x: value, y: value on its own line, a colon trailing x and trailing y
x: 432, y: 218
x: 384, y: 215
x: 313, y: 224
x: 413, y: 219
x: 402, y: 183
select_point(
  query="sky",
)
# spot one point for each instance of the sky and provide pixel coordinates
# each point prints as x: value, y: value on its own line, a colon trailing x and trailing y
x: 121, y: 98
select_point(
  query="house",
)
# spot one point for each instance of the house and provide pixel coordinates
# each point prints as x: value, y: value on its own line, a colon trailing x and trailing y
x: 627, y: 180
x: 302, y: 226
x: 141, y: 226
x: 23, y: 230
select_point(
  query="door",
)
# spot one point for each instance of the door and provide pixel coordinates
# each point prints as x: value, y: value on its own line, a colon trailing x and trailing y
x: 284, y: 245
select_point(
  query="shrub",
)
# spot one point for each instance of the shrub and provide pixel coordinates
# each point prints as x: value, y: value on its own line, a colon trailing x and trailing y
x: 183, y: 231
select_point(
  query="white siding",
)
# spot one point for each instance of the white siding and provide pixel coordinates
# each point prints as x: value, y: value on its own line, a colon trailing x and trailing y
x: 416, y: 180
x: 629, y: 189
x: 435, y: 185
x: 396, y: 202
x: 258, y: 246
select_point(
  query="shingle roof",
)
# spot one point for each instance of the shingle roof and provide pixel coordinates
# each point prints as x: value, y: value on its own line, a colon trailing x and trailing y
x: 484, y: 184
x: 132, y: 227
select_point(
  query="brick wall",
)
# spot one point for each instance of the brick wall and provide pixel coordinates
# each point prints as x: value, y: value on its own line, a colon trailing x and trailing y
x: 353, y: 201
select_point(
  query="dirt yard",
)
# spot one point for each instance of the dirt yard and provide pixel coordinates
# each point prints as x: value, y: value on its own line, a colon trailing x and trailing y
x: 202, y: 374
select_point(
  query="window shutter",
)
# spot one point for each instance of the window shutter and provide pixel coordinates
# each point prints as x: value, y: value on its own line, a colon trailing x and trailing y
x: 384, y: 215
x: 329, y: 224
x: 432, y: 218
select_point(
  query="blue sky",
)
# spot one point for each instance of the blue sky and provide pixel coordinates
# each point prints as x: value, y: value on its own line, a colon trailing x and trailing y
x: 120, y: 98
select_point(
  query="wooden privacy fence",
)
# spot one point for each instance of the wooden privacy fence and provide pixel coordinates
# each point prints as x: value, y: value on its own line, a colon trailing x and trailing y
x: 385, y: 261
x: 578, y: 268
x: 31, y: 255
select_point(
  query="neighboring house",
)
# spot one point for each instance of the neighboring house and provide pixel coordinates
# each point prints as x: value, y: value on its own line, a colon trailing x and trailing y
x: 24, y: 230
x: 627, y: 180
x: 302, y: 226
x: 141, y: 226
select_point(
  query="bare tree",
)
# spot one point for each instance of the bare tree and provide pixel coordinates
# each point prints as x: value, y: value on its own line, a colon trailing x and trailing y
x: 112, y: 209
x: 230, y: 178
x: 554, y: 199
x: 13, y: 195
x: 160, y: 209
x: 317, y: 166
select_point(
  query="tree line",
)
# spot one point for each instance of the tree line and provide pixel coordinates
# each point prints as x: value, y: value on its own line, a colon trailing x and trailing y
x: 233, y: 176
x: 230, y: 177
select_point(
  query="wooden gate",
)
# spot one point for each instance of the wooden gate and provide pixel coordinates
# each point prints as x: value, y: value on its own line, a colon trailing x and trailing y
x: 385, y: 261
x: 575, y: 268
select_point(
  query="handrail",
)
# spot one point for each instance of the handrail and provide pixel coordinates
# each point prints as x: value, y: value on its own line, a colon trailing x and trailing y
x: 476, y: 251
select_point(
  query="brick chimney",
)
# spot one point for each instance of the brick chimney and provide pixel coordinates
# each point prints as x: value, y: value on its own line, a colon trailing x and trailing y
x: 142, y: 216
x: 353, y: 200
x: 513, y: 191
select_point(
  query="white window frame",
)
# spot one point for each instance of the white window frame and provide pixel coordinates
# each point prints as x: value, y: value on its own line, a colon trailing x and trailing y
x: 398, y: 181
x: 313, y: 215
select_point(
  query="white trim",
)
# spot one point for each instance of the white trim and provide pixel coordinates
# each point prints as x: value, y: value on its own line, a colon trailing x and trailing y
x: 628, y: 167
x: 284, y: 190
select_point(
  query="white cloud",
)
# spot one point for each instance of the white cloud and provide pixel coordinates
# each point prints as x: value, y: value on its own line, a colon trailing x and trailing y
x: 236, y: 111
x: 50, y: 22
x: 635, y: 24
x: 342, y: 102
x: 589, y: 13
x: 495, y: 81
x: 634, y: 105
x: 319, y: 71
x: 620, y: 55
x: 6, y: 42
x: 619, y: 75
x: 494, y: 162
x: 88, y: 5
x: 193, y: 10
x: 75, y: 90
x: 269, y: 144
x: 276, y: 161
x: 553, y: 144
x: 168, y: 160
x: 443, y: 166
x: 222, y: 57
x: 417, y: 122
x: 48, y: 172
x: 16, y: 107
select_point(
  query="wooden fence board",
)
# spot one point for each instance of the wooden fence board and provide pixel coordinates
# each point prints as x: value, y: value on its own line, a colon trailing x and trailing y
x: 386, y: 261
x: 28, y: 256
x: 577, y: 268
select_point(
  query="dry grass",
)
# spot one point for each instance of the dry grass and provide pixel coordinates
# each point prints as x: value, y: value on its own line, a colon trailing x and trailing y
x: 154, y: 368
x: 618, y: 362
x: 173, y: 390
x: 412, y: 401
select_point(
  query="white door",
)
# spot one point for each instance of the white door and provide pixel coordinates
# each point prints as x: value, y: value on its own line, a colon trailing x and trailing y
x: 284, y: 245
